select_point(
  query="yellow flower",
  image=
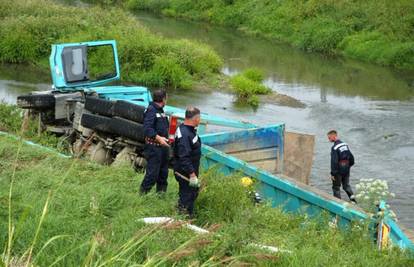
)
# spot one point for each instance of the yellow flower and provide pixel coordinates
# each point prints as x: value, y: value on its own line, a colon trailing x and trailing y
x: 246, y: 181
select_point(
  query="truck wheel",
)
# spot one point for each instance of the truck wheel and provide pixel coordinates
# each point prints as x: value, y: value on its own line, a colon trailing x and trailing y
x: 101, y: 154
x: 99, y: 106
x: 96, y: 122
x: 36, y: 101
x: 128, y: 129
x: 129, y: 111
x: 124, y: 157
x: 48, y: 116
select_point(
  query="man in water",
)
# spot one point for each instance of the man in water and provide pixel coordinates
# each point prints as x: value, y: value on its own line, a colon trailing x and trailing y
x: 341, y: 162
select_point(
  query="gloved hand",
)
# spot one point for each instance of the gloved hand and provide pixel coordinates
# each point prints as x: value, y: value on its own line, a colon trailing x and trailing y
x: 194, y: 181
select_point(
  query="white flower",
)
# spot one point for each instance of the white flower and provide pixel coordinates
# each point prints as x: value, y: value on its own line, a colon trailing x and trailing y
x: 366, y: 197
x: 392, y: 195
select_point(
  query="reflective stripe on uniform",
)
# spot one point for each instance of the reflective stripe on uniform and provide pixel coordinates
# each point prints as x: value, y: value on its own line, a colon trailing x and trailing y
x: 178, y: 133
x: 160, y: 115
x: 339, y: 145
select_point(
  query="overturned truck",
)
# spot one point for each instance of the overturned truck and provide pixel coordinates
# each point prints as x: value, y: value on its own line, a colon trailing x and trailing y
x: 104, y: 121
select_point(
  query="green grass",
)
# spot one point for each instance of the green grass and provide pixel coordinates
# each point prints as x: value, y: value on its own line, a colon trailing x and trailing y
x: 11, y: 120
x: 28, y: 28
x: 75, y: 212
x: 247, y: 85
x: 380, y: 32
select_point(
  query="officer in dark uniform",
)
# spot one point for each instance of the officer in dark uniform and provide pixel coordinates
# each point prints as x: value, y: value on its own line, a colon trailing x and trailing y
x: 156, y: 148
x: 341, y: 162
x: 187, y: 153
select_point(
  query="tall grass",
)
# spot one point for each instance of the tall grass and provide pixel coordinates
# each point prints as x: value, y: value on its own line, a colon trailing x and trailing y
x: 380, y: 32
x: 67, y: 212
x: 11, y: 121
x: 28, y: 28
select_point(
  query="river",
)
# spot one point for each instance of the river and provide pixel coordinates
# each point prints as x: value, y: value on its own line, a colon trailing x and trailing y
x: 371, y: 107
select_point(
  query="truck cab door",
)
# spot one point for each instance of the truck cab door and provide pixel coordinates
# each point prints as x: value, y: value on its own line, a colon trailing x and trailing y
x: 87, y: 64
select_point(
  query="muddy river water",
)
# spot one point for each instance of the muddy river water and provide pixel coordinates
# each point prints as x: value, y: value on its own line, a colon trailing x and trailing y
x: 372, y: 107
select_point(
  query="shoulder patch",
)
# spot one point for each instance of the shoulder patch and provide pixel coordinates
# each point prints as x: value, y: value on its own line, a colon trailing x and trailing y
x: 195, y: 139
x: 178, y: 133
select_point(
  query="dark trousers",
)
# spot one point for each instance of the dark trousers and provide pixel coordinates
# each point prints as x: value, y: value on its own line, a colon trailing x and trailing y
x: 336, y: 185
x: 157, y: 168
x: 186, y: 196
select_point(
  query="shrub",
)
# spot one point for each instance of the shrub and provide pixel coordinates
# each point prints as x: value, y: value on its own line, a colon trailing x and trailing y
x: 254, y: 74
x: 245, y: 87
x: 319, y: 26
x: 28, y: 28
x: 166, y: 72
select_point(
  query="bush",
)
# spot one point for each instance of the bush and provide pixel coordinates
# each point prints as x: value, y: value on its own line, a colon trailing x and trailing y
x: 319, y: 26
x: 254, y: 74
x: 321, y: 35
x: 166, y: 72
x: 247, y: 89
x: 28, y: 28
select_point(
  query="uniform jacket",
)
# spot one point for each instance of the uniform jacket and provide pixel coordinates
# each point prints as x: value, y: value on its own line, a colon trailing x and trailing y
x: 155, y: 121
x: 187, y: 150
x: 341, y: 158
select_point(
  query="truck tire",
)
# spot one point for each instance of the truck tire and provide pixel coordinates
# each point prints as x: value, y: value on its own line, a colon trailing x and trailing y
x: 96, y: 122
x: 99, y: 106
x: 129, y: 111
x: 36, y: 101
x: 126, y: 128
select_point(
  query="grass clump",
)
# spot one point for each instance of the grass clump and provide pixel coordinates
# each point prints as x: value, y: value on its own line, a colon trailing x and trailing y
x: 71, y: 212
x: 11, y: 121
x: 28, y: 28
x: 248, y: 85
x: 380, y: 32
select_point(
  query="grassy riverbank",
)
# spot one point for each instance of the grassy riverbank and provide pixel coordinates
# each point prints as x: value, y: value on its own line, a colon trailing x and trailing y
x: 79, y: 213
x: 380, y: 32
x: 28, y: 28
x: 75, y: 212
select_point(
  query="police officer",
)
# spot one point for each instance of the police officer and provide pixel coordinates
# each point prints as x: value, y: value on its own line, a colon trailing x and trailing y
x: 156, y: 148
x: 187, y: 153
x: 341, y: 162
